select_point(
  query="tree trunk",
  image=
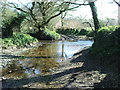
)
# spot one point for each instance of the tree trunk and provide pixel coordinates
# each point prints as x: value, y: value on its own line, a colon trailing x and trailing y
x: 95, y: 18
x: 7, y: 32
x: 119, y: 14
x: 62, y: 20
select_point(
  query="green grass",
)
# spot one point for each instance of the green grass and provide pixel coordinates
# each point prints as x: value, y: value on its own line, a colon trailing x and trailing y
x: 18, y: 39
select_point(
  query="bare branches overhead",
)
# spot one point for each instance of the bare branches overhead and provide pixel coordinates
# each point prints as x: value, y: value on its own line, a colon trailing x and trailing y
x: 117, y: 3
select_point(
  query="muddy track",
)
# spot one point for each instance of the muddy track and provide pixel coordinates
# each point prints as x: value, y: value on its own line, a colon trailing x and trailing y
x: 79, y: 72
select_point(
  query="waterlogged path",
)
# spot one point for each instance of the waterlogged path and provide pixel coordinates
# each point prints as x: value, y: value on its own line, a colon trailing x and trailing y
x: 53, y: 64
x: 44, y: 58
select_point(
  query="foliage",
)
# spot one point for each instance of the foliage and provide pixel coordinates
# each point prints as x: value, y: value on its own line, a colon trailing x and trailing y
x: 107, y: 42
x: 67, y: 31
x: 7, y: 16
x: 40, y: 13
x: 18, y: 39
x: 10, y: 19
x: 51, y: 34
x: 87, y: 32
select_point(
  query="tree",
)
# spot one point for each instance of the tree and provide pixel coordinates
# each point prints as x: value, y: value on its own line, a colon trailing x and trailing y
x: 91, y: 3
x: 40, y: 13
x: 95, y: 18
x: 62, y: 18
x: 119, y: 14
x: 11, y: 20
x: 6, y: 19
x: 118, y: 3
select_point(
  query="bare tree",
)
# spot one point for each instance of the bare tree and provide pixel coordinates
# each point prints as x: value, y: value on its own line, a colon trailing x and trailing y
x: 91, y: 3
x: 95, y: 18
x: 42, y: 12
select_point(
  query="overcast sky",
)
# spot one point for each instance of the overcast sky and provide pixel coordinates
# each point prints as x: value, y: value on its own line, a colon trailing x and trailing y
x: 105, y: 9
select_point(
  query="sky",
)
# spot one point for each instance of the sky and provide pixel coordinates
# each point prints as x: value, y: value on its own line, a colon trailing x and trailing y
x: 105, y: 9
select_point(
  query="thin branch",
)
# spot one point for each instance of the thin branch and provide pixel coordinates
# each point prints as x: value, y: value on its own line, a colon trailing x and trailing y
x: 50, y: 19
x: 62, y: 12
x: 117, y: 3
x: 77, y: 3
x: 24, y: 5
x: 14, y: 6
x: 89, y: 25
x: 63, y: 16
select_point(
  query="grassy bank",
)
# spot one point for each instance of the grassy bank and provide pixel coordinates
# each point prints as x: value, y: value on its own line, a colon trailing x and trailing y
x: 18, y: 39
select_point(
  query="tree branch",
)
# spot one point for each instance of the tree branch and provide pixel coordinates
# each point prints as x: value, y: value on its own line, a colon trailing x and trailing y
x: 77, y: 3
x: 60, y: 12
x: 50, y: 19
x: 89, y: 25
x: 117, y: 3
x: 14, y: 6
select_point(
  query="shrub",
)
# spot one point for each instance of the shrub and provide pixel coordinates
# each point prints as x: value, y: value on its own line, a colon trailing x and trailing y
x: 90, y: 34
x: 72, y: 31
x: 51, y: 34
x: 67, y: 31
x: 18, y: 39
x: 83, y: 32
x: 107, y: 42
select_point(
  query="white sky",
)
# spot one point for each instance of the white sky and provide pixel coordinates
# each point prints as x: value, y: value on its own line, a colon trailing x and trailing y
x: 104, y: 8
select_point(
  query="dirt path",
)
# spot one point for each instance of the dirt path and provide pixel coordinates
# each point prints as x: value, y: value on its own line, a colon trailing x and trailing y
x: 78, y: 72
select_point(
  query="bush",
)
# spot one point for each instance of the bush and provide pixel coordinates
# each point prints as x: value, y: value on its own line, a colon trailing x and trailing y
x: 83, y: 32
x: 52, y: 35
x: 68, y: 31
x: 90, y: 34
x: 107, y: 42
x: 72, y: 31
x: 18, y: 39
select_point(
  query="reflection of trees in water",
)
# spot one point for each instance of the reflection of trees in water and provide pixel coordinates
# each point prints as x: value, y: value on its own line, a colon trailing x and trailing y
x: 44, y: 50
x: 26, y: 67
x: 30, y: 65
x: 12, y: 70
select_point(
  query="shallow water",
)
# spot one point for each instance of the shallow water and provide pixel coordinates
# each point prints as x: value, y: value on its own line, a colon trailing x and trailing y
x: 43, y: 59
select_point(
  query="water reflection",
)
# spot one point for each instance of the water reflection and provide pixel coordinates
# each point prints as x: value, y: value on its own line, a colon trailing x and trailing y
x: 30, y: 67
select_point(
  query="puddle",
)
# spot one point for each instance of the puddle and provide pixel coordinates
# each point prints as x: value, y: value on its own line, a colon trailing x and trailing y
x: 43, y: 59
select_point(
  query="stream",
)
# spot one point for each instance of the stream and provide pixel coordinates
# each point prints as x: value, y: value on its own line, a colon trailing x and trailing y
x: 43, y: 59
